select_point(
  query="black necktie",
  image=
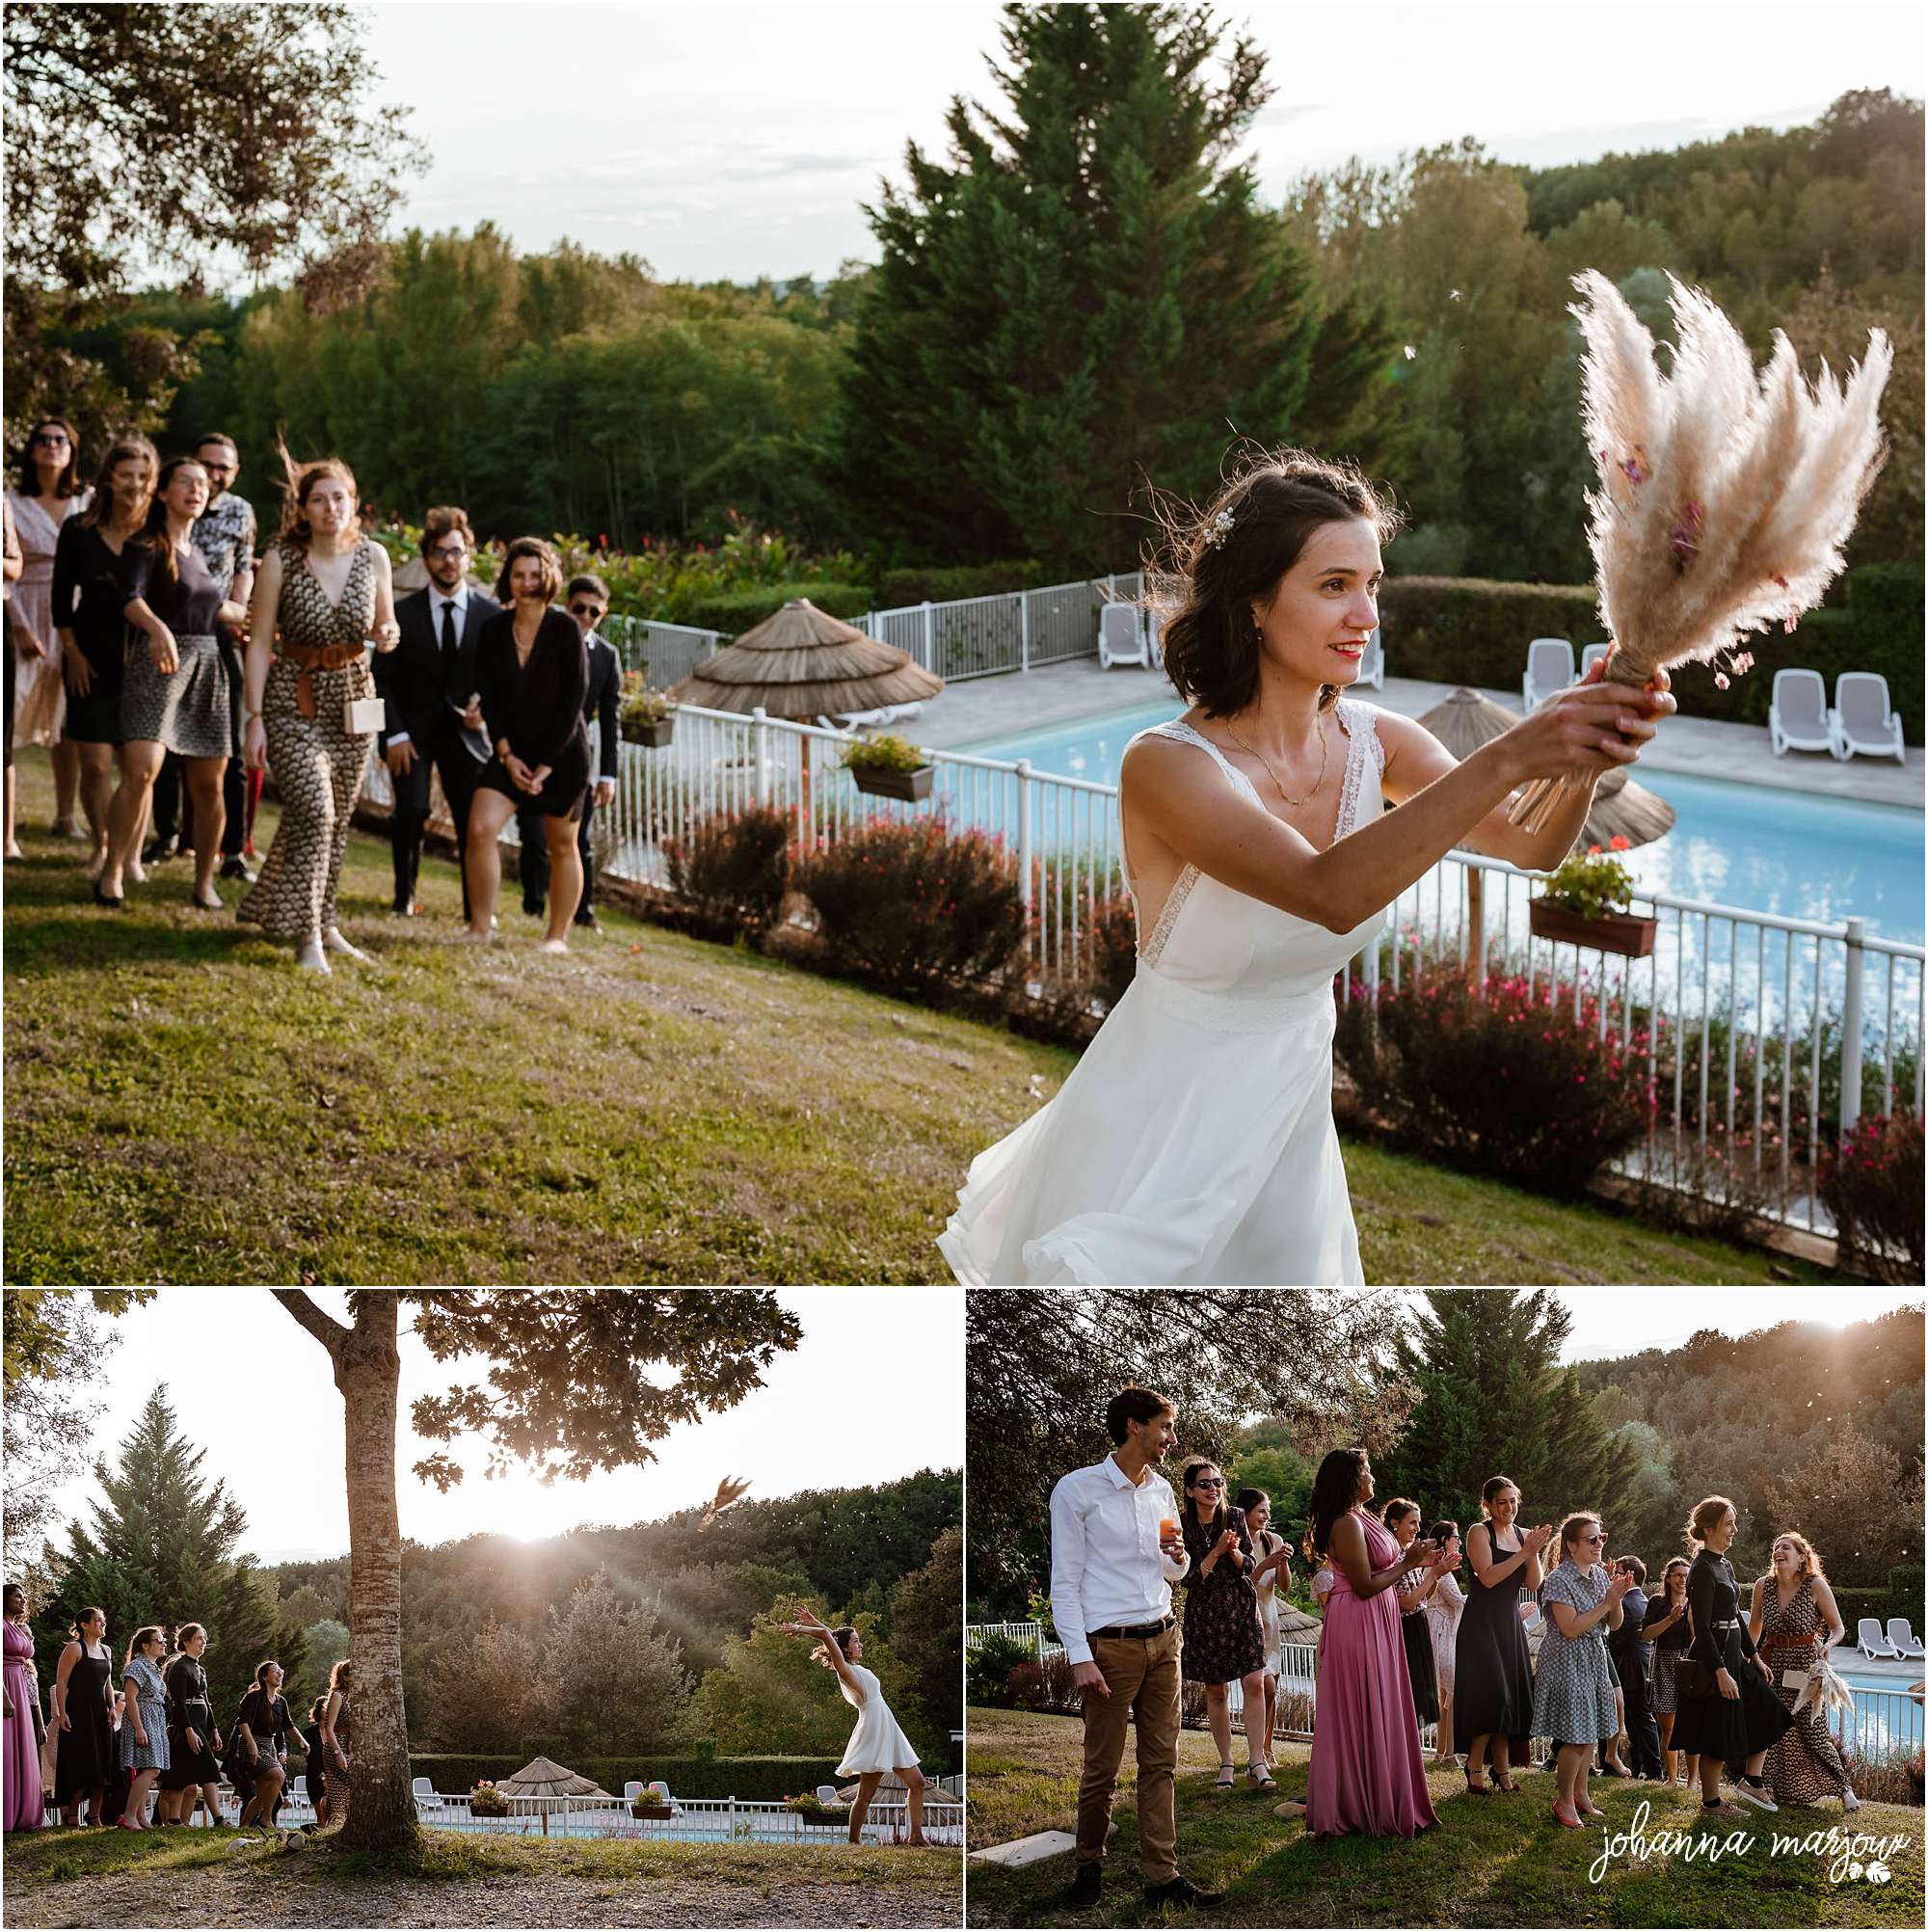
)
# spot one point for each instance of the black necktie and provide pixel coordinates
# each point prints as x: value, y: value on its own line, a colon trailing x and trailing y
x: 448, y: 639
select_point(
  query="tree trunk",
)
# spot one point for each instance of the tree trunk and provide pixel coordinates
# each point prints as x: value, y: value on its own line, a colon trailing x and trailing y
x: 367, y: 1371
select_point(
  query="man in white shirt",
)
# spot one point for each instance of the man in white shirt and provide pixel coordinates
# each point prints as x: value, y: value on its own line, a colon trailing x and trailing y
x: 1117, y: 1549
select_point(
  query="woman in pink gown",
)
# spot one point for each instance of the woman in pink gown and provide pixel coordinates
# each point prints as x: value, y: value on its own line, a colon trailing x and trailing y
x: 20, y: 1788
x: 1366, y: 1771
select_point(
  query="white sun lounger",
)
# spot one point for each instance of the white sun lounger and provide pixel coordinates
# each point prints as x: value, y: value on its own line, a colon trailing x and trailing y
x: 1121, y: 637
x: 1549, y: 668
x: 1901, y: 1634
x: 1797, y: 713
x: 1373, y: 665
x: 1874, y: 1641
x: 1862, y: 719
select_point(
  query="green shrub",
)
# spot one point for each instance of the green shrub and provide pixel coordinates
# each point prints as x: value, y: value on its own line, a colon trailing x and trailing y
x: 1872, y: 1185
x: 755, y: 1780
x: 914, y: 908
x: 1502, y: 1080
x: 1907, y: 1593
x: 1471, y: 630
x: 733, y: 869
x: 888, y: 753
x: 987, y: 1670
x: 1858, y: 1601
x: 735, y: 612
x: 928, y: 583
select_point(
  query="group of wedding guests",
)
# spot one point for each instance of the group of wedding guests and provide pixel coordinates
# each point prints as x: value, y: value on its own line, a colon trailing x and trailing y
x: 155, y: 654
x: 1683, y: 1676
x: 111, y: 1736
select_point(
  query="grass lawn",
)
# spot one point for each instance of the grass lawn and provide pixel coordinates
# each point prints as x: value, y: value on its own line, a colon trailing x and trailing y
x: 1491, y: 1861
x: 201, y: 1877
x: 182, y: 1105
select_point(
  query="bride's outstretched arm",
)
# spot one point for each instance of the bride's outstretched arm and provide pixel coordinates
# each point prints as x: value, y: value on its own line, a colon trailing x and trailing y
x: 1198, y: 814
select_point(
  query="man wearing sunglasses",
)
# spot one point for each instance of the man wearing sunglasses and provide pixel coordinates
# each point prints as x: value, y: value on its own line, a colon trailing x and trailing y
x: 428, y: 683
x: 588, y: 600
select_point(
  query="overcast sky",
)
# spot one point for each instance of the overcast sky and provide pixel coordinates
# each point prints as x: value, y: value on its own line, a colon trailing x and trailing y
x: 873, y: 1391
x: 726, y: 140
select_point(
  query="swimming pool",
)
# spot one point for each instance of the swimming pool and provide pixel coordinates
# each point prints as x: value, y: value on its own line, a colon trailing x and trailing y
x: 1754, y: 846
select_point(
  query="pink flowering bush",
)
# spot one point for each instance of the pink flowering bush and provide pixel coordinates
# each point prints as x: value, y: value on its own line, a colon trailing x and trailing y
x: 1501, y: 1079
x: 1872, y: 1185
x: 915, y: 907
x: 733, y: 869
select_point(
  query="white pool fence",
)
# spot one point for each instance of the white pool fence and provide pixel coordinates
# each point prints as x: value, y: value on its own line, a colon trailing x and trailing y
x: 1761, y: 1012
x: 1884, y: 1723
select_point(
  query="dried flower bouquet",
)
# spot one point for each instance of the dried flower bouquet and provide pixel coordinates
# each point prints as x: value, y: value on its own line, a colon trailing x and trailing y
x: 1723, y: 500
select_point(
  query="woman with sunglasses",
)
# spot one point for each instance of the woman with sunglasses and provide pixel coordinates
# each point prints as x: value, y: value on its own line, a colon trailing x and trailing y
x: 1573, y: 1691
x: 1223, y: 1639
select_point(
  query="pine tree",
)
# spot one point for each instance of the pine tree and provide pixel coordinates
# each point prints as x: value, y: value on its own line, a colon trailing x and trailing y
x: 163, y: 1548
x: 611, y: 1680
x: 1084, y: 296
x: 1495, y: 1402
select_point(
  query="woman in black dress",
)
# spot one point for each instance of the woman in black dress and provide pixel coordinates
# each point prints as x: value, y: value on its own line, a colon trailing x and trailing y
x: 174, y: 692
x: 1493, y: 1670
x: 1401, y: 1517
x: 1223, y: 1639
x: 532, y: 670
x: 92, y: 625
x: 88, y: 1755
x: 193, y: 1741
x: 1727, y: 1710
x: 1666, y: 1629
x: 260, y: 1742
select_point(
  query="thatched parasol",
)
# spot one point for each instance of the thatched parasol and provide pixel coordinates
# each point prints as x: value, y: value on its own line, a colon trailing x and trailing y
x: 541, y: 1782
x: 1465, y: 719
x: 1292, y: 1620
x: 802, y: 663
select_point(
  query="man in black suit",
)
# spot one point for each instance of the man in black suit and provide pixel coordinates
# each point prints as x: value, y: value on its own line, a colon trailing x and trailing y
x: 428, y: 681
x: 1633, y: 1660
x: 588, y: 604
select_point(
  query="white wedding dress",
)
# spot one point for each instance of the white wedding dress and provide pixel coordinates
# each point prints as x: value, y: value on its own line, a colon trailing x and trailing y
x: 878, y: 1742
x: 1193, y: 1144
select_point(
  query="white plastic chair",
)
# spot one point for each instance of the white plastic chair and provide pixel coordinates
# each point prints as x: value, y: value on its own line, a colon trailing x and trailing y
x: 1591, y: 655
x: 1874, y: 1641
x: 1862, y: 719
x: 422, y: 1788
x: 1121, y: 638
x: 826, y: 1794
x: 632, y: 1790
x: 1549, y: 668
x: 1901, y: 1634
x: 1154, y: 643
x: 1797, y: 713
x: 1372, y: 666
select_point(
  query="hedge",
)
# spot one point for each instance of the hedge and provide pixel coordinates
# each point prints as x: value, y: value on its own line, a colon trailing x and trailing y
x: 735, y: 611
x: 754, y: 1780
x: 1469, y: 630
x: 932, y: 583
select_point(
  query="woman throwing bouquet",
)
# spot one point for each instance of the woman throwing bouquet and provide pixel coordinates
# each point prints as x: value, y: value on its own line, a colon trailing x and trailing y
x: 1193, y: 1142
x: 877, y: 1744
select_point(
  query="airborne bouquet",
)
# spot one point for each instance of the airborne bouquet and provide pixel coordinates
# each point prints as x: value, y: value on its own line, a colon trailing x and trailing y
x: 1724, y: 497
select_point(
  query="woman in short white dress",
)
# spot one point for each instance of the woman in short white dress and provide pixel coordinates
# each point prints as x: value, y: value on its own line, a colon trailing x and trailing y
x: 877, y: 1744
x: 1442, y: 1622
x: 1194, y: 1144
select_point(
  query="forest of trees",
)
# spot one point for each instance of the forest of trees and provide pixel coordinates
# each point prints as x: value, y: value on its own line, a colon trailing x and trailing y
x: 1047, y: 296
x: 602, y: 1642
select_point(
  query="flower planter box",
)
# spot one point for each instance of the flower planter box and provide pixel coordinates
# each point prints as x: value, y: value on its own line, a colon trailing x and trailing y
x: 913, y: 787
x: 639, y: 1809
x: 657, y: 734
x: 1611, y: 932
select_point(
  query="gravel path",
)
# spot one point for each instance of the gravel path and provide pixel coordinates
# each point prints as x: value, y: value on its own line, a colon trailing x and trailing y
x: 264, y: 1898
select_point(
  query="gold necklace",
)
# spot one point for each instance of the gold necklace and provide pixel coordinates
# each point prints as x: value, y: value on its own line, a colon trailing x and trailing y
x: 1325, y: 752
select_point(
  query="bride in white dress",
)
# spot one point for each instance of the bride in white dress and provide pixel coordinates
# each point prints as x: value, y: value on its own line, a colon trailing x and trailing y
x: 878, y: 1743
x: 1194, y: 1144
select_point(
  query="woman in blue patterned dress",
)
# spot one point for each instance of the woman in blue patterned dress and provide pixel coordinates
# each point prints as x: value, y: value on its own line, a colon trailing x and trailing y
x: 1573, y: 1690
x: 143, y: 1729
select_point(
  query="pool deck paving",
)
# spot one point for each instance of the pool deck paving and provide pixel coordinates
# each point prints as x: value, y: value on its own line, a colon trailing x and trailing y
x: 984, y: 710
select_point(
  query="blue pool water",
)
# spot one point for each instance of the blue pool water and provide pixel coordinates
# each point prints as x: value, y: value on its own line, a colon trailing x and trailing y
x: 1754, y: 846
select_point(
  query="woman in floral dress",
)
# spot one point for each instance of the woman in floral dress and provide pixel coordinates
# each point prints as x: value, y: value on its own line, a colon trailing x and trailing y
x: 1795, y: 1622
x: 1573, y: 1688
x: 1222, y: 1638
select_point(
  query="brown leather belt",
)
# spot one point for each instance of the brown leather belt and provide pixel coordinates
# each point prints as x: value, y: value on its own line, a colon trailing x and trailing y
x: 312, y: 658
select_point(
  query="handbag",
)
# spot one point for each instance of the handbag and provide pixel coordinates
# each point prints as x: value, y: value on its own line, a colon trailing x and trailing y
x: 1694, y: 1678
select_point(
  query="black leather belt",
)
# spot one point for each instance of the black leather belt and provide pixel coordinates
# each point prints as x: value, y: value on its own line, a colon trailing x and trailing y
x: 1113, y: 1633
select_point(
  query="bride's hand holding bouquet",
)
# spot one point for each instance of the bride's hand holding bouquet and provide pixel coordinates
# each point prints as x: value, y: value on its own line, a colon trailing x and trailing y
x: 1591, y: 727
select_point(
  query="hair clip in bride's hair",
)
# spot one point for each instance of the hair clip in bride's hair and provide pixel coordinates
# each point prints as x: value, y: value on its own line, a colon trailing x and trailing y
x: 1221, y: 526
